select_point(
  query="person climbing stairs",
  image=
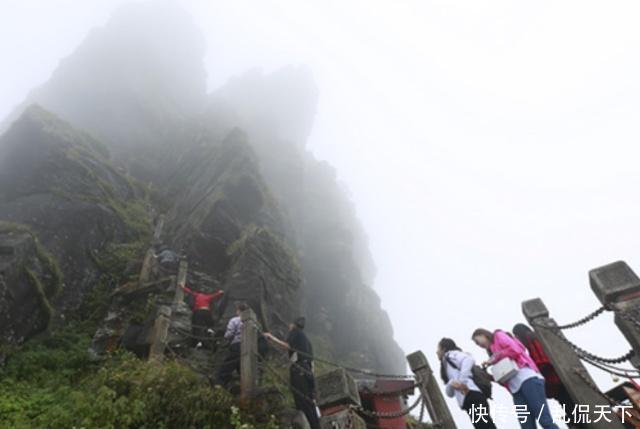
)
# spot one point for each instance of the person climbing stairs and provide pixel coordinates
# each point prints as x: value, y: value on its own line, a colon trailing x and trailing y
x: 201, y: 320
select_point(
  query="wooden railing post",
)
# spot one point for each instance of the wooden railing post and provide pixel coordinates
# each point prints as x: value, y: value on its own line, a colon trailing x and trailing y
x: 567, y: 364
x: 618, y: 287
x: 431, y: 393
x: 159, y: 334
x: 248, y: 355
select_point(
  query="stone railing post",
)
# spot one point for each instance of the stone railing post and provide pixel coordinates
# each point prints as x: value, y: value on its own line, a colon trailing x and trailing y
x: 337, y: 394
x: 248, y: 355
x: 618, y: 287
x: 145, y: 271
x: 181, y: 279
x: 159, y: 334
x: 431, y: 393
x: 568, y: 366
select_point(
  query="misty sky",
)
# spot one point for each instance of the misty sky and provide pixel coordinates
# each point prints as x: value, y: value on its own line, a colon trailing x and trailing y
x: 491, y: 148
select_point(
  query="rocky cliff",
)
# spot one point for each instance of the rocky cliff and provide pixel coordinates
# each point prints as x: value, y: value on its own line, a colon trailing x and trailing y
x: 336, y: 263
x: 244, y: 200
x: 65, y: 208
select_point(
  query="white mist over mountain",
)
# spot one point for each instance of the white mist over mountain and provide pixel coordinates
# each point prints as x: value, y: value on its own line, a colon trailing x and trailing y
x: 490, y: 149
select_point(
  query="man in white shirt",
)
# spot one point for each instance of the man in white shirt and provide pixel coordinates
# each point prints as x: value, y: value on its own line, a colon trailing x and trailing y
x: 232, y: 360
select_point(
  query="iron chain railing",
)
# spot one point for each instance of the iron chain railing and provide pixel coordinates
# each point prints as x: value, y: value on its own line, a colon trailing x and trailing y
x: 588, y: 318
x: 387, y: 415
x: 346, y: 368
x: 582, y: 353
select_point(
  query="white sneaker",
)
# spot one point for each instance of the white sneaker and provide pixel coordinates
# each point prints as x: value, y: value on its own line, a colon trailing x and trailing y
x: 210, y: 331
x: 199, y: 344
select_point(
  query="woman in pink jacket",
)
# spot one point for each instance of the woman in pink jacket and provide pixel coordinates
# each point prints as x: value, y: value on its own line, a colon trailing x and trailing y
x: 526, y: 384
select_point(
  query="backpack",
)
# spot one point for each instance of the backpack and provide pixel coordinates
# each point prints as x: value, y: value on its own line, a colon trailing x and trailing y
x: 481, y: 377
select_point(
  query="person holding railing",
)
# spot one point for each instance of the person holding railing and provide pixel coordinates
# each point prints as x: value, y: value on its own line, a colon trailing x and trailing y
x: 301, y: 370
x: 519, y: 374
x: 233, y: 334
x: 456, y: 372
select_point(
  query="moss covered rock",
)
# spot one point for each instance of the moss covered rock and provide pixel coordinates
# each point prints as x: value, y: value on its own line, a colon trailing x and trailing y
x: 57, y: 182
x: 29, y: 280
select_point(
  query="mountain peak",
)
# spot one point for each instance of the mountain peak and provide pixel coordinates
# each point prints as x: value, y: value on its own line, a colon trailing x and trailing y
x: 131, y: 80
x: 278, y: 105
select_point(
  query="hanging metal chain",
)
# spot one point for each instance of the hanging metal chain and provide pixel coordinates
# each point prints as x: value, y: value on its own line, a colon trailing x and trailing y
x: 190, y: 335
x: 337, y: 365
x: 356, y: 370
x: 612, y: 402
x: 629, y: 417
x: 588, y: 318
x: 613, y: 370
x: 281, y: 391
x: 200, y: 326
x: 399, y: 392
x: 590, y: 356
x: 422, y: 408
x: 387, y: 415
x: 582, y: 353
x: 595, y: 388
x: 309, y: 371
x: 263, y: 362
x: 357, y: 408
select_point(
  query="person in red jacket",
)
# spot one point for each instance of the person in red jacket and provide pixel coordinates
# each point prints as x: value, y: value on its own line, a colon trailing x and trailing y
x: 553, y: 385
x: 201, y: 320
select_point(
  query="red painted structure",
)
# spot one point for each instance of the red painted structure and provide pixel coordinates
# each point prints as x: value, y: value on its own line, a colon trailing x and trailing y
x: 380, y: 396
x: 386, y: 396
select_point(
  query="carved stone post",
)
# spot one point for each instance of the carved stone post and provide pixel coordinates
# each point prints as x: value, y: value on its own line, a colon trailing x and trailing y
x: 434, y: 400
x: 182, y: 278
x: 248, y: 355
x: 145, y: 271
x: 618, y: 287
x: 567, y: 364
x: 159, y: 333
x: 337, y: 392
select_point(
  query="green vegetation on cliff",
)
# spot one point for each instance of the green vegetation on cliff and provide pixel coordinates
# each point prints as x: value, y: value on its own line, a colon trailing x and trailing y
x: 43, y: 273
x: 52, y: 383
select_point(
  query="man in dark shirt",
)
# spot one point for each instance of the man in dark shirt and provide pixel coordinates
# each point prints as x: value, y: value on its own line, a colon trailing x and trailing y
x: 301, y: 369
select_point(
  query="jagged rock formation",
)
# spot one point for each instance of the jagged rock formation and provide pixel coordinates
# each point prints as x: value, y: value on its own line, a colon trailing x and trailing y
x: 133, y: 83
x: 230, y: 226
x: 247, y: 203
x: 335, y: 259
x: 57, y: 182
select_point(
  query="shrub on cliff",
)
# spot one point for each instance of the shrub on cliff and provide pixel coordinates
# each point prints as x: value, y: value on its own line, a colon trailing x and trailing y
x: 52, y: 383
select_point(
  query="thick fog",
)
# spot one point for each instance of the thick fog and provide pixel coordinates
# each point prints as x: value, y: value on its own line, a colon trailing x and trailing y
x: 490, y: 148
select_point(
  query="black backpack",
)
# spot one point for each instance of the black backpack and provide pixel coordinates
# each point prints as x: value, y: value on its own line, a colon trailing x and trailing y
x: 481, y: 377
